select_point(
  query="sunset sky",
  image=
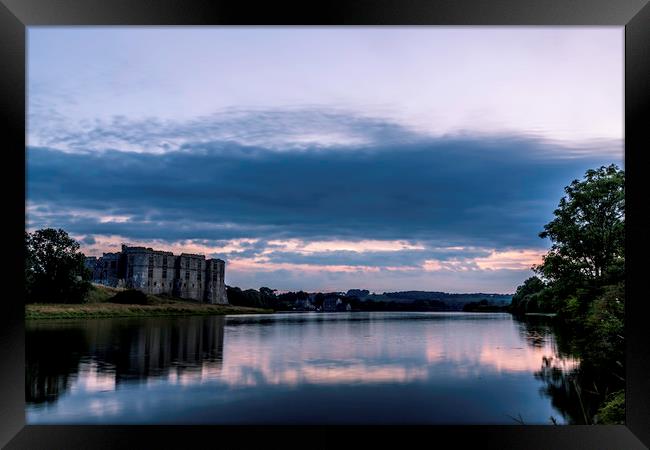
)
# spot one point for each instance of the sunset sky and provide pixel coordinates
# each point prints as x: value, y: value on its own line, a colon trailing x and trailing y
x: 384, y: 158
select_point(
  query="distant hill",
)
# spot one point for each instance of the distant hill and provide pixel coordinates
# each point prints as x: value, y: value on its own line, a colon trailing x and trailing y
x: 453, y: 301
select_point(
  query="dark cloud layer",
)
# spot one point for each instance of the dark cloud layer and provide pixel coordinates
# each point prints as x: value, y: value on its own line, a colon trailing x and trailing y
x: 495, y: 192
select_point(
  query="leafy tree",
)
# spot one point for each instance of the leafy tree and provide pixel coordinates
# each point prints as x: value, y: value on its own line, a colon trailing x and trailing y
x: 235, y: 295
x: 54, y: 268
x: 267, y: 297
x: 588, y: 232
x: 319, y: 298
x: 526, y: 295
x: 264, y: 298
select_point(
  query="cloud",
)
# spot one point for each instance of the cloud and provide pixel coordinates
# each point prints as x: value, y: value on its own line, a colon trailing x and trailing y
x: 460, y: 191
x: 494, y: 260
x: 362, y: 246
x: 279, y: 130
x: 463, y: 203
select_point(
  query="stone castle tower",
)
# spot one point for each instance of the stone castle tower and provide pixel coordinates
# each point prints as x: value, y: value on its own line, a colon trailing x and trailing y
x: 151, y: 271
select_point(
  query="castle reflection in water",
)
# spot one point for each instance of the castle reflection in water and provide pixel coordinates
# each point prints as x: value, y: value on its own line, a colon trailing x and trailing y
x: 100, y: 354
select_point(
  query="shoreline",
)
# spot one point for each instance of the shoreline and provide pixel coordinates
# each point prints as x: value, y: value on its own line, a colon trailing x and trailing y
x: 47, y: 311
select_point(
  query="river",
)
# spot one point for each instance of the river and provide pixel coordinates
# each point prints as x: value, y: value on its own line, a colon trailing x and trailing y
x: 291, y: 368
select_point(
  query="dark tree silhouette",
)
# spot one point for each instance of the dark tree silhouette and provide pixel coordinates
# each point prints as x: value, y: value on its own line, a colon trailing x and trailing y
x: 54, y: 268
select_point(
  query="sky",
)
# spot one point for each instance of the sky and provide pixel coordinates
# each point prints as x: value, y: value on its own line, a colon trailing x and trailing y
x: 321, y: 158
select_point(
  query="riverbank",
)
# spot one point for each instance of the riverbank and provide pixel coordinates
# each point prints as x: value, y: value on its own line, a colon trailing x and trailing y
x: 103, y: 310
x: 99, y: 305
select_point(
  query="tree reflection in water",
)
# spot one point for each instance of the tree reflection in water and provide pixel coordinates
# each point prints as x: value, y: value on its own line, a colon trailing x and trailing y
x: 575, y: 379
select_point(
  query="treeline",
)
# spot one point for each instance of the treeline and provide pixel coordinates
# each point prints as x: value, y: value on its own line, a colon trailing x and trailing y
x: 484, y: 306
x: 304, y: 301
x: 582, y: 281
x: 446, y: 296
x: 453, y: 302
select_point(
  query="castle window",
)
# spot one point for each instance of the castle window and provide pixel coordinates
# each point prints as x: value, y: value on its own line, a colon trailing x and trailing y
x: 154, y: 283
x: 187, y: 275
x: 164, y: 268
x: 198, y: 276
x: 150, y: 268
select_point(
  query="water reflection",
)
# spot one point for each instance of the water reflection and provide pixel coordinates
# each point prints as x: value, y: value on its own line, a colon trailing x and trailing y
x: 423, y: 367
x: 575, y: 387
x: 99, y: 354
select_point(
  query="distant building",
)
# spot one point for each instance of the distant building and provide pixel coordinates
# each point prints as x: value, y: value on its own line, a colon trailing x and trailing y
x: 151, y: 271
x: 304, y: 305
x: 331, y: 304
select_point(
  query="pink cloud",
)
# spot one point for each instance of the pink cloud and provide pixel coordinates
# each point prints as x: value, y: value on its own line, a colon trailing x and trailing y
x: 513, y: 260
x: 497, y: 260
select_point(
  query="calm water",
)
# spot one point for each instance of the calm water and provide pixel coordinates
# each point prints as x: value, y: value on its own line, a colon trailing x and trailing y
x: 316, y: 368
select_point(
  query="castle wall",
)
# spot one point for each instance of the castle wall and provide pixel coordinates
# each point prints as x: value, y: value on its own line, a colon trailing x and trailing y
x: 215, y: 289
x: 106, y: 269
x: 150, y: 271
x: 190, y: 276
x: 156, y: 272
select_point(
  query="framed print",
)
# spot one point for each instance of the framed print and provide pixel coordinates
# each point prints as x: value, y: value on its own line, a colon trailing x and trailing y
x: 400, y: 222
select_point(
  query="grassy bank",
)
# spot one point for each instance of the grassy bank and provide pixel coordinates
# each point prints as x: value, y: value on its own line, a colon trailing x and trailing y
x: 98, y: 305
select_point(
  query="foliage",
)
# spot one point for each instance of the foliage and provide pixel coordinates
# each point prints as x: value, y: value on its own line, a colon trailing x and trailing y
x: 613, y: 410
x: 267, y: 298
x: 54, y: 268
x: 264, y: 298
x: 588, y: 232
x: 130, y: 297
x: 483, y: 306
x: 526, y: 297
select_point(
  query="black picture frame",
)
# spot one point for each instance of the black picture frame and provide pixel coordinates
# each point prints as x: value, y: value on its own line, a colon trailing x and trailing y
x: 16, y: 15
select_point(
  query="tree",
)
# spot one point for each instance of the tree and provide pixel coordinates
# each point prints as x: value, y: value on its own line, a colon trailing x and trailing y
x: 525, y: 293
x: 54, y: 268
x: 267, y: 297
x: 588, y: 232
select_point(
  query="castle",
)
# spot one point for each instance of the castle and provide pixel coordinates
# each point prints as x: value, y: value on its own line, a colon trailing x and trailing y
x: 151, y: 271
